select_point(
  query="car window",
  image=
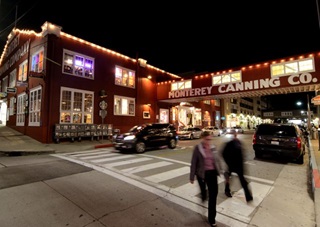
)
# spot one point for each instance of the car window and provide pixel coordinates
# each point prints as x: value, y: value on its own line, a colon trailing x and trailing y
x: 277, y: 130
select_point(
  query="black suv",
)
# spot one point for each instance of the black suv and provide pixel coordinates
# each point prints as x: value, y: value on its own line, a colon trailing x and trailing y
x: 285, y: 140
x: 145, y: 136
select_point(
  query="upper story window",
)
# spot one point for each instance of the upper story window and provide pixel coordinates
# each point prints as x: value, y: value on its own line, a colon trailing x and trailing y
x: 180, y: 85
x: 22, y: 74
x: 226, y: 78
x: 37, y: 61
x: 78, y: 64
x: 12, y: 78
x: 292, y: 67
x: 124, y: 106
x: 4, y: 84
x: 76, y: 106
x: 125, y: 77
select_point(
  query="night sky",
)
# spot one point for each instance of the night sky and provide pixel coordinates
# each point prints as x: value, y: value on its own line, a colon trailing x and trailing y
x: 180, y: 38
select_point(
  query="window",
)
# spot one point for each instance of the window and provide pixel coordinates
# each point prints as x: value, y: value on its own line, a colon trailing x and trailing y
x: 78, y: 64
x: 227, y: 78
x: 21, y: 108
x: 292, y: 67
x: 37, y: 61
x: 13, y: 77
x: 11, y: 107
x: 186, y: 84
x: 208, y: 102
x: 76, y: 106
x: 4, y: 84
x: 35, y: 106
x: 125, y: 77
x: 22, y: 74
x: 124, y: 106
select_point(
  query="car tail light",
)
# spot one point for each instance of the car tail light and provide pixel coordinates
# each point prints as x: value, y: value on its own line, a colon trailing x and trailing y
x: 254, y: 138
x: 298, y: 142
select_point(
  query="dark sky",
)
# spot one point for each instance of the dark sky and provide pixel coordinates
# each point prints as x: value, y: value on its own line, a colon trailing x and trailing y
x: 180, y: 38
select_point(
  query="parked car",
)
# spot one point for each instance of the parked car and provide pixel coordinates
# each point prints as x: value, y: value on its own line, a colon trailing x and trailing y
x: 237, y: 129
x: 189, y: 133
x: 144, y: 136
x: 285, y: 140
x: 213, y: 130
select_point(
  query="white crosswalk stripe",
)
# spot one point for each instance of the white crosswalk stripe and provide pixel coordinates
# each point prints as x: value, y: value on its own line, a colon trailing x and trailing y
x: 232, y: 211
x: 146, y: 167
x: 136, y: 160
x: 168, y: 174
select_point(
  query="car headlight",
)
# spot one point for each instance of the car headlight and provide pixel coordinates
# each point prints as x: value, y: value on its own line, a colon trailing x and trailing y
x: 131, y: 137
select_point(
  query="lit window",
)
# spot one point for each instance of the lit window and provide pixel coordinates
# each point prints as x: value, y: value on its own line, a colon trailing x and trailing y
x: 125, y: 77
x: 22, y: 74
x: 180, y: 85
x: 124, y: 106
x: 37, y: 61
x: 227, y: 78
x: 292, y: 67
x: 76, y: 106
x: 78, y: 64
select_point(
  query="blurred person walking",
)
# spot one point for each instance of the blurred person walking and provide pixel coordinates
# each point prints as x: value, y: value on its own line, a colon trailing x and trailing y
x: 232, y: 154
x: 206, y: 167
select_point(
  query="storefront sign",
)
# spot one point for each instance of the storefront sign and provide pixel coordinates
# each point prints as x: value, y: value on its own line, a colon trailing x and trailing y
x: 11, y: 90
x: 294, y: 80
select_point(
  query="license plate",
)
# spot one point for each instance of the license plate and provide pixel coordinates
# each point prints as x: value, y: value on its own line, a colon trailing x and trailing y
x: 275, y: 142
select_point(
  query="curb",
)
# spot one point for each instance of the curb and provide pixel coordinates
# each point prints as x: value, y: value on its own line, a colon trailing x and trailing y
x: 315, y: 183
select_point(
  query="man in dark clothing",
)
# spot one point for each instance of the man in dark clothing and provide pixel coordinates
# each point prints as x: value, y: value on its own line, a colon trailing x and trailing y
x: 232, y: 154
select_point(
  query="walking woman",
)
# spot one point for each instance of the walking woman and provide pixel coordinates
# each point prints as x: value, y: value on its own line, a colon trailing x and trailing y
x: 206, y: 167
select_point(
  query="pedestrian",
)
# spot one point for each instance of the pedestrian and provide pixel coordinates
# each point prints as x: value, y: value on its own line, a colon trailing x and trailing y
x: 232, y: 154
x: 206, y: 167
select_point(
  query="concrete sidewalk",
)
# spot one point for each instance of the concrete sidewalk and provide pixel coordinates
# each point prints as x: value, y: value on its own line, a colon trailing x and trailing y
x: 13, y: 143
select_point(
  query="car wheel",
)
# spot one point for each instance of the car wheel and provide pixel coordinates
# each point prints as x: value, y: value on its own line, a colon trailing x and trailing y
x: 172, y: 143
x: 258, y: 154
x: 300, y: 160
x: 140, y: 147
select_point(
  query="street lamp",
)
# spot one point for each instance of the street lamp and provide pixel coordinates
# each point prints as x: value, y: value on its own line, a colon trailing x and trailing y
x: 299, y: 103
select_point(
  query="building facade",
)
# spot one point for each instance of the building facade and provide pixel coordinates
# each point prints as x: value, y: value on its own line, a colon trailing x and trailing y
x: 52, y: 80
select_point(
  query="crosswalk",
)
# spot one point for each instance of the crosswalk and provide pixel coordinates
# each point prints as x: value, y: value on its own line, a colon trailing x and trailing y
x: 165, y: 177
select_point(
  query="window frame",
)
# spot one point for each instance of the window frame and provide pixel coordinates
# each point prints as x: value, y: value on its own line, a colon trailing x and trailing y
x: 121, y: 81
x: 77, y: 64
x: 71, y: 113
x: 131, y: 106
x: 37, y: 61
x: 21, y: 109
x: 35, y: 100
x: 279, y: 69
x: 181, y: 85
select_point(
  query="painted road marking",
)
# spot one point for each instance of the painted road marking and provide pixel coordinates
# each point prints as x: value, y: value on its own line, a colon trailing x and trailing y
x: 136, y: 160
x: 168, y: 174
x: 146, y: 167
x: 232, y: 211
